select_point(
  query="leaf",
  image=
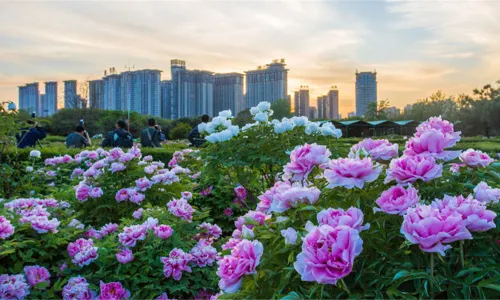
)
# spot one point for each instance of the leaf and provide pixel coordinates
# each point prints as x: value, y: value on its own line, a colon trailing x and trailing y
x: 291, y: 296
x: 309, y: 207
x: 493, y: 286
x: 400, y: 274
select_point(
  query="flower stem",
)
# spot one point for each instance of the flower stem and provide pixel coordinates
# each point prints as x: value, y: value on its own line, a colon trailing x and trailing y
x: 462, y: 254
x: 432, y: 265
x: 345, y: 286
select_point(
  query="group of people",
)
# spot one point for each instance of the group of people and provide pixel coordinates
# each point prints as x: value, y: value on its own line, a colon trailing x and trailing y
x: 152, y: 136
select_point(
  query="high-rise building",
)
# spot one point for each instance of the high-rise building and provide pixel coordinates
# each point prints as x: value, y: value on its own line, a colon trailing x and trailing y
x: 43, y: 105
x: 166, y: 99
x: 176, y: 66
x: 51, y: 94
x: 366, y: 91
x: 140, y: 91
x: 332, y: 103
x: 319, y: 104
x: 296, y: 103
x: 29, y: 98
x: 112, y: 92
x: 301, y: 101
x: 268, y: 83
x: 228, y: 92
x: 312, y: 113
x: 70, y: 95
x: 351, y: 114
x: 96, y: 94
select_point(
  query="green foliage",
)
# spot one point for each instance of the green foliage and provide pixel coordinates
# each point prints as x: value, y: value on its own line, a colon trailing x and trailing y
x: 244, y: 117
x: 282, y: 109
x: 180, y: 131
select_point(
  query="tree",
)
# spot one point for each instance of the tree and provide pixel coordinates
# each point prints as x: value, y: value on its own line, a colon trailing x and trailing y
x: 282, y: 109
x: 377, y: 110
x: 244, y: 117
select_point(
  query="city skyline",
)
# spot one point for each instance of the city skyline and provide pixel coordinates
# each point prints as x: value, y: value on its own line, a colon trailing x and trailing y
x: 416, y: 47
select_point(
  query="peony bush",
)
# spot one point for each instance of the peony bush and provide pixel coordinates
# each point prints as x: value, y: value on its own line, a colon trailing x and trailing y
x: 275, y: 209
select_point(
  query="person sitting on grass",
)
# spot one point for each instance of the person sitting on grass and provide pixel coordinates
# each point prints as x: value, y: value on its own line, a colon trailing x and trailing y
x: 194, y: 136
x: 119, y: 137
x: 152, y: 136
x: 78, y: 139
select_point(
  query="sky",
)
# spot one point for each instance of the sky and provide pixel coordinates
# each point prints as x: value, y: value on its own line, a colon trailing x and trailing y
x: 416, y: 47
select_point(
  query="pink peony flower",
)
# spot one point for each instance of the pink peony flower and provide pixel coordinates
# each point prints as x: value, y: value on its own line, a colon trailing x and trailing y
x: 175, y: 264
x: 77, y: 288
x: 240, y: 192
x: 137, y: 214
x: 92, y: 233
x: 126, y: 157
x: 353, y: 217
x: 452, y: 137
x: 43, y: 225
x: 408, y: 169
x: 289, y: 197
x: 430, y: 142
x: 474, y: 213
x: 76, y: 172
x: 166, y: 177
x: 350, y: 173
x: 290, y: 235
x: 244, y: 259
x: 231, y: 243
x: 206, y: 191
x: 255, y: 216
x: 125, y: 256
x: 82, y: 252
x: 455, y: 168
x: 122, y: 195
x: 475, y: 158
x: 132, y: 234
x: 13, y: 287
x: 187, y: 195
x: 485, y: 194
x: 203, y: 254
x: 431, y: 229
x: 99, y: 164
x: 303, y: 159
x: 135, y: 196
x: 181, y: 208
x: 6, y: 229
x: 228, y: 212
x: 265, y: 199
x: 96, y: 193
x: 113, y: 291
x: 163, y: 296
x: 143, y: 184
x: 115, y: 153
x: 151, y: 223
x: 51, y: 173
x: 147, y: 158
x: 380, y: 150
x: 211, y: 232
x: 117, y: 167
x: 83, y: 192
x: 150, y: 169
x: 36, y: 274
x: 92, y: 172
x: 108, y: 229
x: 163, y: 231
x: 396, y: 200
x: 328, y: 253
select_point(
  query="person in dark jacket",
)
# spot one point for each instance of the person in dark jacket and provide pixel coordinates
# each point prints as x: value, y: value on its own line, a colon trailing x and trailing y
x: 78, y: 139
x: 119, y: 137
x: 28, y: 137
x: 194, y: 136
x: 151, y: 136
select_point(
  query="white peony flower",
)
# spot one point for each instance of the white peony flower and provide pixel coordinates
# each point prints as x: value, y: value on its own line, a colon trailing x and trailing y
x: 329, y: 129
x: 311, y: 127
x: 29, y: 169
x: 35, y: 153
x: 263, y: 106
x: 226, y: 113
x: 261, y: 117
x: 254, y: 110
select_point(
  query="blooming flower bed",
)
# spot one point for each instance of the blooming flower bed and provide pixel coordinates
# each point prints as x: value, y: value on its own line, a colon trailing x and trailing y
x: 270, y: 210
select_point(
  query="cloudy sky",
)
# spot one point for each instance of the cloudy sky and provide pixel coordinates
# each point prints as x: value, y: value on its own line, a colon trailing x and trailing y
x: 417, y: 47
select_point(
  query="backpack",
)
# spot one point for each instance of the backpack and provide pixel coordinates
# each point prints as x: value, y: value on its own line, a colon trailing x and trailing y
x: 122, y: 140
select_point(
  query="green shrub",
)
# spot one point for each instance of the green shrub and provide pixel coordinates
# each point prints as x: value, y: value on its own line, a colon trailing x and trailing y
x: 180, y: 131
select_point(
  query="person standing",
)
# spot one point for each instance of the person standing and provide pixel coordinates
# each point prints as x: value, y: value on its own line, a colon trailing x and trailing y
x: 28, y: 137
x: 78, y: 139
x: 194, y: 136
x: 119, y: 137
x: 152, y: 136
